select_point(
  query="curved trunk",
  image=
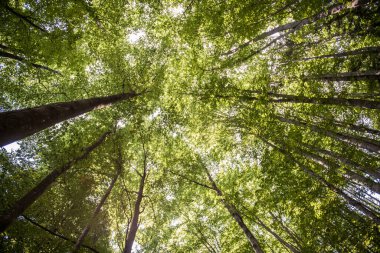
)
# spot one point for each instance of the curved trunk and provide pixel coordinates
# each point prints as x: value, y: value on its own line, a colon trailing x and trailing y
x: 28, y: 199
x: 18, y: 124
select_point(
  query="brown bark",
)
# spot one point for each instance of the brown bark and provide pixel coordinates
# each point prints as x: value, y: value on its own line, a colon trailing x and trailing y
x: 368, y: 212
x: 18, y: 124
x: 29, y: 198
x: 370, y: 145
x: 56, y: 234
x: 288, y: 231
x: 349, y: 76
x: 236, y: 215
x: 132, y: 230
x: 24, y: 60
x: 119, y: 166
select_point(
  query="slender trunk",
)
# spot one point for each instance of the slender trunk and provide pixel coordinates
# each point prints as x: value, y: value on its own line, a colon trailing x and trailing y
x: 373, y: 186
x: 370, y: 145
x: 132, y: 231
x: 24, y: 60
x: 23, y: 17
x: 290, y: 233
x: 85, y: 231
x: 348, y: 76
x: 362, y: 208
x: 29, y: 198
x: 364, y: 50
x: 294, y: 26
x: 236, y: 215
x: 370, y: 171
x: 282, y: 241
x: 57, y: 234
x: 18, y: 124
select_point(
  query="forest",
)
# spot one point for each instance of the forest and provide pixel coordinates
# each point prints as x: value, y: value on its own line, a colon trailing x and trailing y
x: 210, y: 126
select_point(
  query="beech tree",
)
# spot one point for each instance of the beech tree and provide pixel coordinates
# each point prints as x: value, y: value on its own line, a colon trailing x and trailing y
x: 189, y: 126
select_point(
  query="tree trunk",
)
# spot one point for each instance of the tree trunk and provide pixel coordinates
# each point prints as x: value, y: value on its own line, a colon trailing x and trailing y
x: 23, y: 17
x: 28, y: 199
x: 56, y: 234
x: 288, y: 231
x: 119, y: 166
x: 237, y: 217
x: 370, y: 145
x: 349, y: 76
x: 24, y: 60
x: 364, y: 50
x: 18, y: 124
x: 362, y: 208
x: 295, y: 25
x: 132, y: 230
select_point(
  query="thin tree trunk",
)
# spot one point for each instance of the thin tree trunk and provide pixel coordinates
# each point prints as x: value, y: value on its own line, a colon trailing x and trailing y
x: 119, y: 166
x: 18, y: 124
x: 23, y: 17
x: 364, y: 50
x: 132, y: 230
x: 24, y: 60
x: 29, y: 198
x: 290, y: 233
x: 362, y: 208
x: 282, y: 241
x: 57, y: 234
x: 370, y: 145
x: 295, y: 25
x: 236, y: 215
x: 348, y: 76
x: 373, y: 186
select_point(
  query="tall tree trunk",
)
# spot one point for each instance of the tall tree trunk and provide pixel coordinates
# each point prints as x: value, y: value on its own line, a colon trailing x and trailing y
x: 364, y: 50
x: 23, y: 17
x: 236, y: 215
x: 373, y: 186
x: 132, y: 230
x: 18, y: 124
x: 29, y: 198
x: 56, y: 234
x: 288, y: 231
x: 119, y: 166
x: 24, y: 60
x: 348, y: 76
x: 282, y: 241
x: 370, y: 171
x: 364, y: 209
x: 370, y: 145
x: 294, y: 26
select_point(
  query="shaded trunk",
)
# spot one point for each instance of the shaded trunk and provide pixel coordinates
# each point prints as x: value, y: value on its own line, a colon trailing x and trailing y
x: 237, y: 217
x: 18, y: 124
x: 349, y: 76
x: 364, y: 50
x: 359, y: 206
x: 132, y: 230
x: 57, y: 234
x: 29, y: 198
x: 290, y: 233
x: 23, y: 17
x: 282, y: 241
x: 119, y: 165
x: 373, y: 186
x: 293, y: 26
x: 370, y: 145
x: 24, y: 60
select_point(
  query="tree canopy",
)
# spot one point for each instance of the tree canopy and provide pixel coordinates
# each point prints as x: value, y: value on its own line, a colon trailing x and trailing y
x: 190, y: 126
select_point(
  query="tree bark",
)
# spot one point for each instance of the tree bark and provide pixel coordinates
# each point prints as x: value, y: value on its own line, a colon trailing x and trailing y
x: 59, y: 235
x: 119, y: 166
x: 23, y: 17
x: 236, y: 215
x: 132, y: 230
x: 370, y: 145
x: 368, y: 212
x: 24, y: 60
x: 364, y: 50
x: 348, y: 76
x: 18, y: 124
x: 29, y: 198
